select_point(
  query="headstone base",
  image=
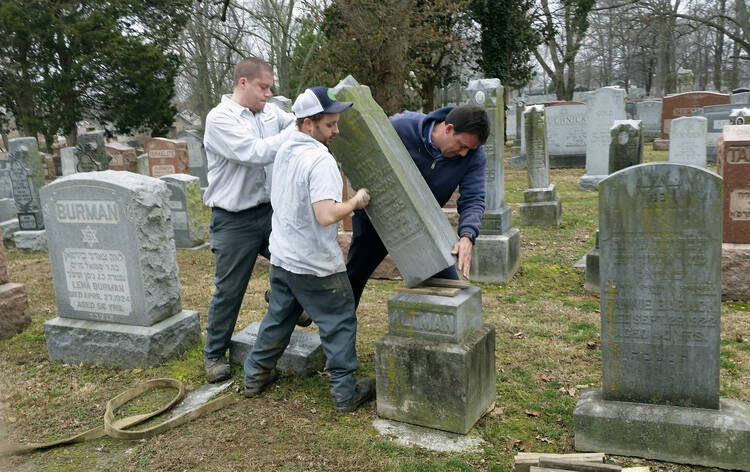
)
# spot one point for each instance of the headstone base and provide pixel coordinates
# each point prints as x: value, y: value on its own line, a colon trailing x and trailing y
x: 119, y: 345
x: 735, y: 265
x: 33, y: 241
x: 567, y: 161
x: 14, y: 310
x: 195, y: 248
x: 496, y: 257
x: 541, y: 207
x: 438, y: 385
x: 7, y: 209
x: 712, y: 438
x: 304, y: 355
x: 591, y: 282
x: 590, y: 182
x: 517, y: 162
x: 9, y: 227
x: 497, y: 221
x: 661, y: 144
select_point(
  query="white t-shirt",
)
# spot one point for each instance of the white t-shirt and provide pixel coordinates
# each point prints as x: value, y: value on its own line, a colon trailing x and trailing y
x: 304, y: 173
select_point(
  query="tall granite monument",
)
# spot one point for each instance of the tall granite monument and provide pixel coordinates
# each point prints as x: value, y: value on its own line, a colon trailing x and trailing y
x: 541, y: 206
x: 660, y: 243
x: 115, y: 273
x: 496, y: 252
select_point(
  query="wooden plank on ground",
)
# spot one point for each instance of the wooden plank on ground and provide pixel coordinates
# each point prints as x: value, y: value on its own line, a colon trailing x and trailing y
x: 524, y: 460
x: 437, y: 282
x: 439, y: 291
x: 577, y: 465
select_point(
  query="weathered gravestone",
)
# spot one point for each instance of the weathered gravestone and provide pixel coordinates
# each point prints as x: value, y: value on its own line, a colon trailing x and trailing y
x: 649, y: 112
x: 436, y: 365
x: 687, y: 144
x: 14, y: 306
x: 734, y: 167
x: 626, y: 148
x: 660, y: 295
x: 68, y: 160
x: 6, y: 186
x: 27, y: 177
x: 591, y: 282
x: 739, y: 98
x: 186, y: 204
x: 142, y: 164
x: 566, y: 134
x: 196, y: 155
x: 167, y: 156
x: 403, y: 211
x: 519, y: 161
x: 115, y: 272
x: 541, y: 206
x: 684, y: 104
x: 303, y: 355
x: 717, y: 116
x: 123, y: 157
x: 91, y: 153
x: 496, y: 251
x: 603, y: 107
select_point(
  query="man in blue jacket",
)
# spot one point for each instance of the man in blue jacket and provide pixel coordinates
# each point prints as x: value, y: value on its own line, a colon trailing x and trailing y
x: 446, y: 146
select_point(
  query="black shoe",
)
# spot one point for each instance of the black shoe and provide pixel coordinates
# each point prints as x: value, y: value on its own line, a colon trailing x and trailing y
x: 217, y: 370
x: 304, y: 319
x: 257, y: 388
x: 363, y: 391
x: 267, y: 295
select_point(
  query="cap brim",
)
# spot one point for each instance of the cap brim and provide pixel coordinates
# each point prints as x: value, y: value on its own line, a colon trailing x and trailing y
x: 337, y: 107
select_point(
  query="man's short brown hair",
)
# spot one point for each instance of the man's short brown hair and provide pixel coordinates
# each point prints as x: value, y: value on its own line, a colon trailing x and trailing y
x: 250, y: 68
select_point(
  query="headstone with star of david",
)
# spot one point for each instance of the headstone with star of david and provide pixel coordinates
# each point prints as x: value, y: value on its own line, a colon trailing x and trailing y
x: 114, y: 268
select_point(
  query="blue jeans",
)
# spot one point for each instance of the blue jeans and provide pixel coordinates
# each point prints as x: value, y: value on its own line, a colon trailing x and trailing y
x: 367, y: 251
x: 330, y: 303
x: 236, y: 240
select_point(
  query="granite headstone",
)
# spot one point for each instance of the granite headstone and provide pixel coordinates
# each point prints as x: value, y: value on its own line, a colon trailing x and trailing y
x: 603, y: 107
x: 734, y: 167
x: 91, y: 153
x: 649, y: 112
x: 626, y: 148
x: 27, y: 177
x: 196, y: 154
x: 185, y: 203
x: 167, y: 156
x: 123, y: 157
x: 687, y: 144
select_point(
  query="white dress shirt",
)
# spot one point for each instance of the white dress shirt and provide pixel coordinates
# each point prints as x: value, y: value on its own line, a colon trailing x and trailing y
x: 306, y: 173
x: 240, y: 149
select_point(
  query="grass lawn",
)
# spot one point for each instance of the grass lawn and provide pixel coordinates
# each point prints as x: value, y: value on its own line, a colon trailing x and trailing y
x: 547, y: 337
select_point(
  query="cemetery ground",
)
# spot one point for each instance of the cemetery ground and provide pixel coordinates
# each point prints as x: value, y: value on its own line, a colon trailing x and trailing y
x: 547, y: 351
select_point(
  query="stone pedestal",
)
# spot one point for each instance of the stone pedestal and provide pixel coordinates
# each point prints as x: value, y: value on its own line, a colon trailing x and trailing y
x: 436, y: 365
x: 304, y: 355
x: 497, y: 251
x: 120, y: 345
x: 14, y: 306
x: 712, y: 438
x: 735, y: 265
x: 33, y: 241
x: 541, y: 207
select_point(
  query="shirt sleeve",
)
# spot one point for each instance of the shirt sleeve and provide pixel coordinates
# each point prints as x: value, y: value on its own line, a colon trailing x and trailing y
x: 325, y: 180
x: 236, y: 142
x: 471, y: 203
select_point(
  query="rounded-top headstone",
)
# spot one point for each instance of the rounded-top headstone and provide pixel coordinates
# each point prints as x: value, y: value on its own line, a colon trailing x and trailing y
x: 111, y: 246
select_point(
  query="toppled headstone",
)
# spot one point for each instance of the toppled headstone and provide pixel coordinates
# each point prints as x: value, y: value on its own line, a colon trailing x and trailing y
x: 403, y: 210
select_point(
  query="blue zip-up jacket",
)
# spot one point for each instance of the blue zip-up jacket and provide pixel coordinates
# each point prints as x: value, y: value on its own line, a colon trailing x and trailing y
x: 444, y: 174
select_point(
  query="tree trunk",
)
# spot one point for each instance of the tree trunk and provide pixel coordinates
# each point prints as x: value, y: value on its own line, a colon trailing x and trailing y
x: 719, y: 49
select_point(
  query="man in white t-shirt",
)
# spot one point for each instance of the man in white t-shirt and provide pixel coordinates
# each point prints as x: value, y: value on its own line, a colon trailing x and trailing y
x: 307, y: 266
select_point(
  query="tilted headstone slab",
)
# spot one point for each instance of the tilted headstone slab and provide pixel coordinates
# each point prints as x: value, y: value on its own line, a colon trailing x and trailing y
x: 684, y: 104
x: 167, y: 156
x: 91, y: 153
x: 688, y: 141
x: 603, y: 107
x: 111, y: 247
x: 27, y: 177
x: 403, y: 210
x: 626, y: 148
x: 734, y: 167
x: 660, y: 265
x: 196, y: 154
x: 436, y: 365
x: 185, y: 202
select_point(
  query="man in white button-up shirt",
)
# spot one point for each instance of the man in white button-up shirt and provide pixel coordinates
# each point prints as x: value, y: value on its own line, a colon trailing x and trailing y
x: 242, y: 135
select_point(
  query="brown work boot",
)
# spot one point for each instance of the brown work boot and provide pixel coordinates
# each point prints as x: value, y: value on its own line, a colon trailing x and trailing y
x: 217, y: 370
x: 363, y: 391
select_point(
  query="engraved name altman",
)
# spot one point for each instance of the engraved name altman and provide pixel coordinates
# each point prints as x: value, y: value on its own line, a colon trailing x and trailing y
x: 86, y: 211
x: 427, y: 323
